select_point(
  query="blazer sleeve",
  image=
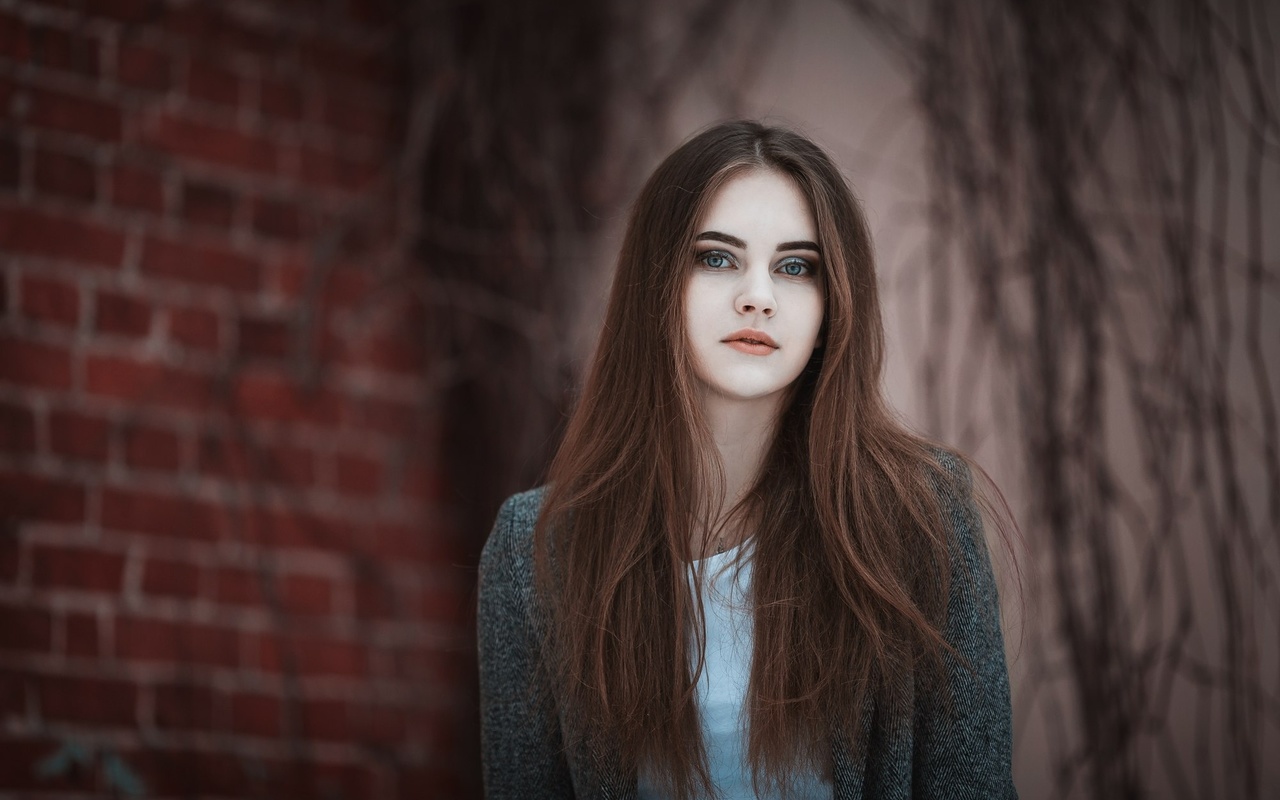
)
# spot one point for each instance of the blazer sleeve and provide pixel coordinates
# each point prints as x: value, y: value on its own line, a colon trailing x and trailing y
x: 521, y: 747
x: 964, y: 737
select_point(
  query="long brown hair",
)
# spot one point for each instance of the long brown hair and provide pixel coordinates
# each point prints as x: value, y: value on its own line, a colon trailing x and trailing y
x: 850, y: 549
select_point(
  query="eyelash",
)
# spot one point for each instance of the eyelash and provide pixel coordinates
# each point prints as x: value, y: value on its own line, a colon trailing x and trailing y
x: 806, y: 264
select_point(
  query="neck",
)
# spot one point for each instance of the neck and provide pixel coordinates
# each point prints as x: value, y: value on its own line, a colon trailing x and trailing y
x: 742, y: 431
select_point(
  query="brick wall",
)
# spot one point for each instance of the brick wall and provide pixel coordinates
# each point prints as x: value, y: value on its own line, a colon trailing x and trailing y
x: 226, y: 567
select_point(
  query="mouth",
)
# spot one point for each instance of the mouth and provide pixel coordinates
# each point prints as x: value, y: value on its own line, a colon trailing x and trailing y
x: 751, y: 341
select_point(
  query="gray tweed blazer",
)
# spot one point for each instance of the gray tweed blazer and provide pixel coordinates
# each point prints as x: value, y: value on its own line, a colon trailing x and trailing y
x: 925, y: 750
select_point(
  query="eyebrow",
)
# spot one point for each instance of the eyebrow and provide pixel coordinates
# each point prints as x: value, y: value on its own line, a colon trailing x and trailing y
x: 800, y: 245
x: 734, y: 241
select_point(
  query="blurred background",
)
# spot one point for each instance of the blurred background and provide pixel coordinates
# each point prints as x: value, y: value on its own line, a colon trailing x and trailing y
x: 295, y: 292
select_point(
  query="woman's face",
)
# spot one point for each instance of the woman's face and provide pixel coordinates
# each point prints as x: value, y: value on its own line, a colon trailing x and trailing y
x: 753, y: 303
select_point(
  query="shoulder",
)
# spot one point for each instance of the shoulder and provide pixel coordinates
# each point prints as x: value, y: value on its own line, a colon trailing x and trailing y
x: 509, y: 548
x: 520, y: 511
x: 954, y: 468
x: 952, y: 479
x: 953, y: 484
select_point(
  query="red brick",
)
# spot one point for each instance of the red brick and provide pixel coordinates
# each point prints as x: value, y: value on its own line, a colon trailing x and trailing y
x: 210, y: 26
x: 159, y: 514
x: 47, y: 234
x: 173, y: 772
x: 82, y: 638
x: 424, y: 482
x: 183, y: 706
x: 148, y: 383
x: 200, y: 141
x: 212, y: 83
x: 65, y: 175
x: 28, y: 497
x: 144, y: 11
x: 10, y: 162
x: 25, y: 629
x: 283, y: 99
x: 273, y: 396
x: 377, y: 13
x: 137, y: 188
x: 353, y: 114
x: 147, y: 447
x: 196, y: 328
x: 21, y: 752
x: 13, y: 699
x: 387, y: 416
x: 295, y: 527
x: 94, y: 701
x: 402, y: 354
x: 50, y: 301
x: 207, y: 204
x: 416, y: 543
x: 428, y: 666
x: 291, y: 466
x: 376, y: 599
x: 58, y: 49
x: 73, y: 434
x: 202, y: 264
x: 171, y: 578
x: 122, y: 314
x: 17, y: 429
x: 343, y: 286
x: 10, y: 554
x: 443, y: 604
x: 328, y: 57
x: 256, y: 715
x: 329, y: 169
x: 438, y: 778
x: 144, y: 67
x: 358, y: 476
x: 236, y: 586
x: 379, y: 726
x: 32, y: 364
x: 323, y: 720
x: 80, y: 568
x: 14, y: 42
x: 277, y: 219
x: 80, y: 114
x: 313, y: 655
x: 264, y: 337
x: 235, y: 459
x: 186, y: 642
x: 306, y: 594
x: 327, y: 779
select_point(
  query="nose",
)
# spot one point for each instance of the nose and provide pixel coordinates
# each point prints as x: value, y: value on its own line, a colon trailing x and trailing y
x: 756, y: 296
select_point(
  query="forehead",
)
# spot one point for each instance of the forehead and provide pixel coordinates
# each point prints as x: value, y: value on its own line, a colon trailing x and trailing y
x: 759, y: 205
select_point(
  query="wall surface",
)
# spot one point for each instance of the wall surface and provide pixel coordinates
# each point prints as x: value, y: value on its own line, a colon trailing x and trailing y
x: 1101, y: 282
x: 226, y: 567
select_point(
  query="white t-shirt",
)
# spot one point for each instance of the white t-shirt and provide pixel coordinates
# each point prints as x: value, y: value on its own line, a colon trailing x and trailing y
x: 722, y: 687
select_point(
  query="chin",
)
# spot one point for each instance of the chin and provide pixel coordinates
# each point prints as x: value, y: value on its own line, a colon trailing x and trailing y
x: 748, y: 392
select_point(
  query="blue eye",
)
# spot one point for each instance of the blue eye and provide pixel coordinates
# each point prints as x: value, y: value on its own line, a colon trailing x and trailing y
x: 795, y: 268
x: 715, y: 259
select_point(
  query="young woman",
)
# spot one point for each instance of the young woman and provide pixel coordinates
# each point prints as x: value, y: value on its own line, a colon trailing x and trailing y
x: 745, y: 578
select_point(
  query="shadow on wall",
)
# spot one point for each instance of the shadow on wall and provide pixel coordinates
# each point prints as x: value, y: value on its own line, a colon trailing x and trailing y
x: 1101, y: 178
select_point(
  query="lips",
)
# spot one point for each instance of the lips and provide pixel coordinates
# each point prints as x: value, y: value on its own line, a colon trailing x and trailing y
x: 751, y: 341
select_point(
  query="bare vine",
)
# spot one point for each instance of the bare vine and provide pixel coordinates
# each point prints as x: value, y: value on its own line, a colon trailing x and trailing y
x: 1101, y: 176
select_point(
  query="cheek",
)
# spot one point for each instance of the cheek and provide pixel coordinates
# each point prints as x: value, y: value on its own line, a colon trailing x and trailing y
x: 694, y: 318
x: 699, y: 301
x: 807, y: 321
